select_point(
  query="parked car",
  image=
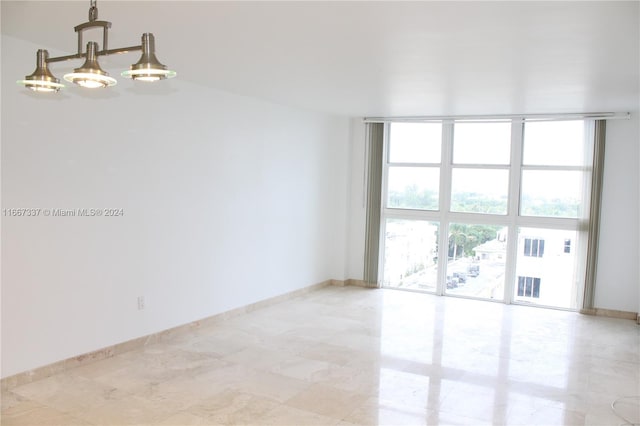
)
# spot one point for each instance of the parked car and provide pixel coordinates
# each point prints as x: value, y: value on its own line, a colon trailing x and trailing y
x: 452, y: 282
x: 461, y: 276
x: 473, y: 270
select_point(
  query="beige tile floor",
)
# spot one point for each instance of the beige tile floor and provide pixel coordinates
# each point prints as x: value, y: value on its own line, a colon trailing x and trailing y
x: 348, y: 356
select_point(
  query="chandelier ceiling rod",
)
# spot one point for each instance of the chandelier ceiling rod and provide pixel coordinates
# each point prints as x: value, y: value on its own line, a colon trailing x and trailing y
x: 90, y: 75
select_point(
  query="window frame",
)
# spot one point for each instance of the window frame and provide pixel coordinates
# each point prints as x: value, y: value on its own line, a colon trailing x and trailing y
x: 535, y: 285
x: 539, y: 247
x: 512, y: 220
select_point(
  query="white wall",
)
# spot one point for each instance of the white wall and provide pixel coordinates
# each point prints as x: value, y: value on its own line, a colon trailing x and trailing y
x: 618, y: 277
x: 227, y: 200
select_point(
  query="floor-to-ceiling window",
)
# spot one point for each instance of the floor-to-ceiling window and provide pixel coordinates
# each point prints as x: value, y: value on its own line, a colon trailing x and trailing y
x: 487, y: 209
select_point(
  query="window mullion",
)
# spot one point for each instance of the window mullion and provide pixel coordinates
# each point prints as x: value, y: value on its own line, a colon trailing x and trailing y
x: 389, y: 164
x: 517, y: 129
x: 445, y: 203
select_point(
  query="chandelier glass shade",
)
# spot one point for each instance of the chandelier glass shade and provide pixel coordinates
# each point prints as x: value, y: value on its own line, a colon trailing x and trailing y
x: 148, y: 68
x: 41, y: 80
x: 90, y: 75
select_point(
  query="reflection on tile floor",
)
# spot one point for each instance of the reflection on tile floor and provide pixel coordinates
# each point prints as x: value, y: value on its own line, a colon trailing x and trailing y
x: 348, y: 356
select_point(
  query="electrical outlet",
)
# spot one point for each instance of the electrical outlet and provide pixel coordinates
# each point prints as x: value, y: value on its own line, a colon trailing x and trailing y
x: 140, y: 303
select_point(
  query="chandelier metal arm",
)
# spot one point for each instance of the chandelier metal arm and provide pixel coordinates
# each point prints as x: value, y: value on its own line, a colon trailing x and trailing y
x: 65, y: 58
x: 98, y: 53
x: 92, y: 23
x: 105, y: 25
x: 119, y: 50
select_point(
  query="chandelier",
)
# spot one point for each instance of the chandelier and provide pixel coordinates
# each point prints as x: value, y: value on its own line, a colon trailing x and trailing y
x: 90, y: 74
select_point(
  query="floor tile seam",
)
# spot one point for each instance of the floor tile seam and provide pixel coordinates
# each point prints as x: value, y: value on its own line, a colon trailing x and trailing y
x: 351, y: 412
x: 123, y: 393
x: 39, y: 405
x: 186, y: 411
x: 523, y: 389
x: 46, y: 405
x: 338, y: 419
x: 475, y: 420
x: 82, y: 414
x: 222, y: 391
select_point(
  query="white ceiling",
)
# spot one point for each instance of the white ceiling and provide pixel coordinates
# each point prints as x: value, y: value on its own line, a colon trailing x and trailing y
x: 376, y: 58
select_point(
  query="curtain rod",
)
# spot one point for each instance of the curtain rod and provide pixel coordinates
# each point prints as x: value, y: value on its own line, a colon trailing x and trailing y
x: 502, y: 118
